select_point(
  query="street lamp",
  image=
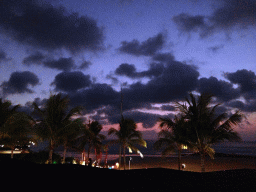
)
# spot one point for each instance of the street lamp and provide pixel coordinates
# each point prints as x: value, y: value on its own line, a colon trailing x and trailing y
x: 130, y: 163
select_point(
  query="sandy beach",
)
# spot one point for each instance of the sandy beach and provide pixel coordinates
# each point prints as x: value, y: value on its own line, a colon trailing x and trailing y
x: 77, y: 177
x: 192, y: 162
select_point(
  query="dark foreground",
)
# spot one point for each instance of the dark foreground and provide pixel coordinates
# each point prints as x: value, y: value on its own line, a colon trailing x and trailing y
x: 34, y: 177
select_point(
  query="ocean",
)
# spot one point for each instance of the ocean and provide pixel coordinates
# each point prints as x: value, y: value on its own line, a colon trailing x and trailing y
x: 237, y: 148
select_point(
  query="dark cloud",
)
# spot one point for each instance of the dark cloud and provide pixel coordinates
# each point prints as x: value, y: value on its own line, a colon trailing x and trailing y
x: 148, y: 120
x: 98, y: 95
x: 84, y: 65
x: 249, y: 106
x: 71, y: 81
x: 129, y: 70
x: 246, y: 80
x: 216, y: 48
x: 163, y: 57
x: 36, y: 58
x: 112, y: 78
x: 126, y: 69
x: 48, y: 27
x: 168, y: 108
x: 174, y: 83
x: 19, y: 83
x: 146, y: 48
x: 64, y: 64
x: 221, y: 89
x: 3, y: 56
x: 233, y: 14
x: 188, y: 23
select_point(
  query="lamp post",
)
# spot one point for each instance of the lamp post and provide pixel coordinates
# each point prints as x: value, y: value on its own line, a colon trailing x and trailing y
x: 130, y: 163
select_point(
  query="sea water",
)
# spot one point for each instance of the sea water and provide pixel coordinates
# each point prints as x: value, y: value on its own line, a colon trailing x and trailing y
x: 237, y: 148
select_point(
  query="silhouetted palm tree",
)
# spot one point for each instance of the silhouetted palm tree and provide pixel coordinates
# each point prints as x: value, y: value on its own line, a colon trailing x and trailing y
x: 90, y: 135
x: 96, y: 141
x: 127, y: 137
x: 18, y: 132
x: 172, y: 137
x: 6, y: 112
x: 206, y: 127
x: 69, y: 134
x: 54, y: 117
x: 15, y: 127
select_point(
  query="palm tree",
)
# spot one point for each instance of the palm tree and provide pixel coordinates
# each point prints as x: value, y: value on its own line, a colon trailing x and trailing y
x: 91, y: 135
x: 18, y: 131
x: 206, y: 127
x: 127, y: 137
x: 54, y: 117
x: 6, y: 112
x: 15, y: 127
x: 173, y: 136
x: 96, y: 140
x: 68, y: 135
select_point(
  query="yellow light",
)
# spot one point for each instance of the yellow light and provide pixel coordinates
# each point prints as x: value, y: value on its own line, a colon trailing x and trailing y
x: 184, y: 147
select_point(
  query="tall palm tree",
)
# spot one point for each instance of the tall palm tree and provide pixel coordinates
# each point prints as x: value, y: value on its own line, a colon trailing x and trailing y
x: 172, y: 137
x: 68, y: 135
x: 90, y: 135
x: 6, y: 112
x: 206, y: 127
x: 15, y: 127
x: 127, y: 137
x: 54, y: 117
x: 96, y: 141
x: 18, y: 131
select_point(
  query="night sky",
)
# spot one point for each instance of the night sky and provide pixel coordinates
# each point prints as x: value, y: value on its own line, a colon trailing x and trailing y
x: 158, y: 50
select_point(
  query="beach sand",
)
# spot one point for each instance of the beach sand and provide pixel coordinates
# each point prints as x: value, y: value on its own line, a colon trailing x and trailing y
x: 77, y: 177
x: 192, y: 162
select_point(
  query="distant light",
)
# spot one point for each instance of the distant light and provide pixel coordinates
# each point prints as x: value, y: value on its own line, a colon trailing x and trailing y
x: 184, y: 147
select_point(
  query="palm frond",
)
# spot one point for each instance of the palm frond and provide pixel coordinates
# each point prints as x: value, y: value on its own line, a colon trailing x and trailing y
x: 165, y: 122
x: 232, y: 120
x: 169, y: 149
x: 210, y: 151
x: 112, y: 131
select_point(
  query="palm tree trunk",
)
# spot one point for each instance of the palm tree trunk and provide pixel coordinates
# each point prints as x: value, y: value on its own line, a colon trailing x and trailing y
x: 120, y: 155
x: 106, y: 159
x: 202, y: 161
x: 51, y: 152
x: 83, y: 156
x: 179, y: 158
x: 12, y: 153
x: 124, y: 156
x: 64, y: 153
x: 88, y: 152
